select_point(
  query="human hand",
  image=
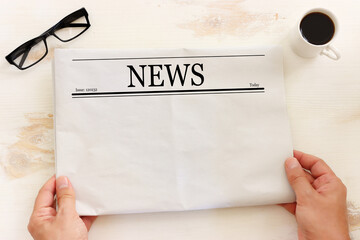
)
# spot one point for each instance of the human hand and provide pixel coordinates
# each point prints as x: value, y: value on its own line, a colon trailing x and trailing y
x: 65, y: 224
x: 320, y: 207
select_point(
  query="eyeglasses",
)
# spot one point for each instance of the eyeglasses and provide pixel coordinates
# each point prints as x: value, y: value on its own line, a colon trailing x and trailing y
x: 34, y: 50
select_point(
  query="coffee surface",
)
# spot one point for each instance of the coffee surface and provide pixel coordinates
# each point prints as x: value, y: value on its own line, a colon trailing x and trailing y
x: 317, y: 28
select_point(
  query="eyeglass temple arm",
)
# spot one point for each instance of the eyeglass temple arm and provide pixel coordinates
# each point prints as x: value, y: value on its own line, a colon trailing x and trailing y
x: 24, y: 57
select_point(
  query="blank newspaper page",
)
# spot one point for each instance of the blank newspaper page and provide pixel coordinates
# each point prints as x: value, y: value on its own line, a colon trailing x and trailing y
x: 156, y: 130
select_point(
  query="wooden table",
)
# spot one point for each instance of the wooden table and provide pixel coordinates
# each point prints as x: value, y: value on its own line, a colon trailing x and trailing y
x: 323, y: 100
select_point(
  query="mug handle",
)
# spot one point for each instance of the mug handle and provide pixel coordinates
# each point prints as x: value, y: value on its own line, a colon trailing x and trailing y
x: 331, y: 52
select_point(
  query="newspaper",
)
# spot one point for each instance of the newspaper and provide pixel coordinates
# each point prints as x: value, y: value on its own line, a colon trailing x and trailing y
x: 171, y: 129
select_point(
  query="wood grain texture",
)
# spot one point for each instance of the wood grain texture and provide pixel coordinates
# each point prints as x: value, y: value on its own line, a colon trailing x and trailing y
x: 323, y: 100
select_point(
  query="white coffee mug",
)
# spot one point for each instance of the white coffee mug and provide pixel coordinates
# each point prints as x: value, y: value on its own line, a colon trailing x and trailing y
x: 304, y: 48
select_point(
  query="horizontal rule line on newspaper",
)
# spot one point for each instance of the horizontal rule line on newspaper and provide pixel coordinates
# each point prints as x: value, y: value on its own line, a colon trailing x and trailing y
x: 136, y: 58
x: 169, y: 91
x: 164, y: 94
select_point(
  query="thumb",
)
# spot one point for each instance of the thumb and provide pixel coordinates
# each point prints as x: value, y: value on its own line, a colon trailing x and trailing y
x: 297, y: 179
x: 65, y: 195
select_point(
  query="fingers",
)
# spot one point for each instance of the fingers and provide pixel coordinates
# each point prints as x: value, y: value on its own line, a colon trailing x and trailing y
x: 316, y: 165
x: 297, y: 178
x: 65, y: 195
x: 309, y: 177
x: 88, y: 221
x: 46, y: 194
x: 322, y: 180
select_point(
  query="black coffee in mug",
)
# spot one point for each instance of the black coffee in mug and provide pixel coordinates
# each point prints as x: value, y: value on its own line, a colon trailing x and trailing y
x: 317, y: 28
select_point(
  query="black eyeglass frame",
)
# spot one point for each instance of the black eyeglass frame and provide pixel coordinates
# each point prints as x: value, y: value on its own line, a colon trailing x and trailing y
x: 25, y: 48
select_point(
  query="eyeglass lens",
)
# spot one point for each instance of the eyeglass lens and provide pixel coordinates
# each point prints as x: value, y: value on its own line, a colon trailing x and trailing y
x: 70, y: 30
x: 31, y: 53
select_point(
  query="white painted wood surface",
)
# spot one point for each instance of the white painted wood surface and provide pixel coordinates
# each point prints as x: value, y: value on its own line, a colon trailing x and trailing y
x: 323, y: 99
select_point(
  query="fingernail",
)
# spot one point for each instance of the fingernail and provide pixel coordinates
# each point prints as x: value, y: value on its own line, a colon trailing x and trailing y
x: 292, y: 163
x: 62, y: 182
